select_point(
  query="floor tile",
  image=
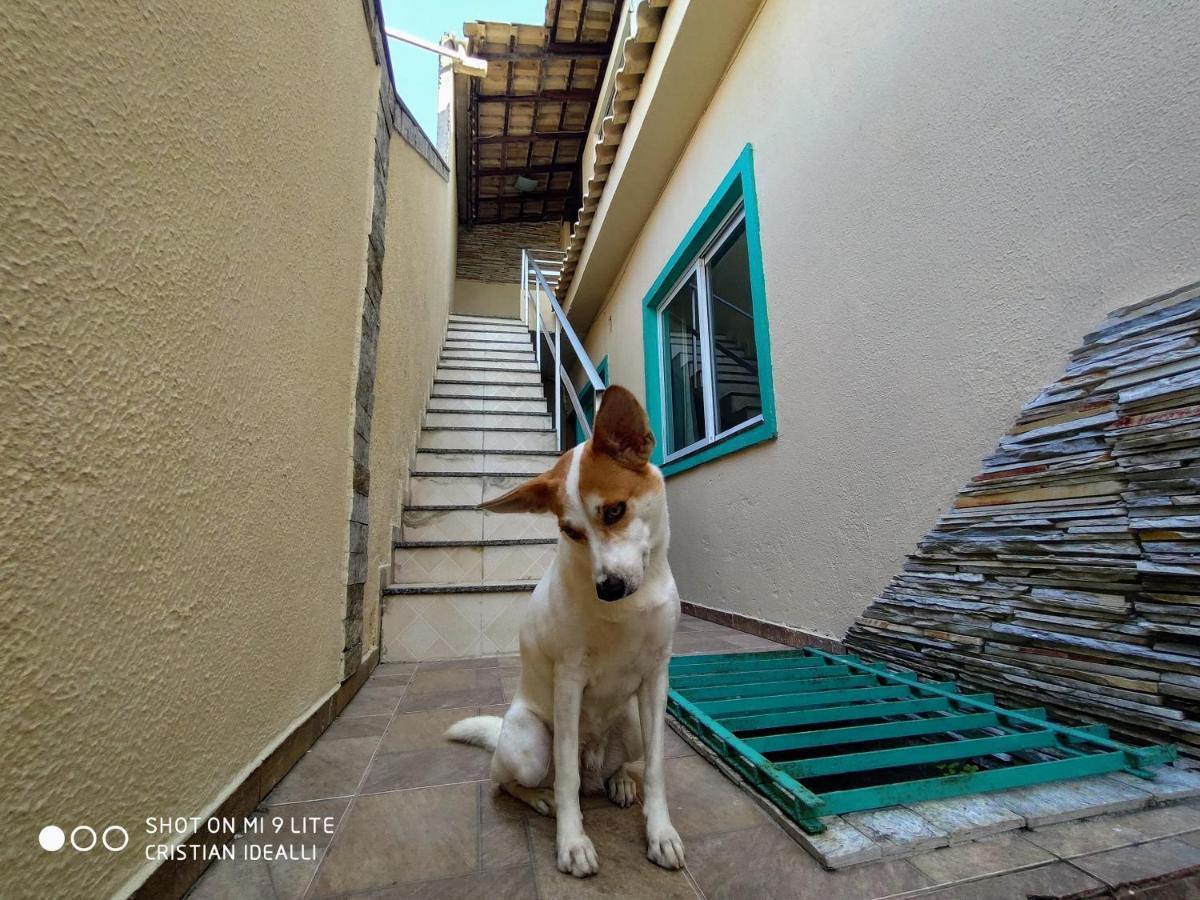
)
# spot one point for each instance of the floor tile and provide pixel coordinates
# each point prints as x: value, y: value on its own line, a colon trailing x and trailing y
x: 625, y: 871
x: 1110, y: 832
x: 394, y: 670
x: 403, y: 837
x: 507, y: 884
x: 986, y: 857
x: 476, y: 696
x: 378, y: 697
x: 765, y: 864
x: 450, y: 764
x: 503, y: 840
x: 1140, y: 861
x: 674, y: 745
x: 1052, y: 880
x: 703, y: 801
x: 334, y: 765
x: 422, y: 730
x: 481, y: 662
x: 441, y: 680
x: 243, y: 878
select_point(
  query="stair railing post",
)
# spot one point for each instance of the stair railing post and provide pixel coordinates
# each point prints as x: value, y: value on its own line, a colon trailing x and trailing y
x: 557, y: 387
x: 537, y: 324
x: 525, y: 288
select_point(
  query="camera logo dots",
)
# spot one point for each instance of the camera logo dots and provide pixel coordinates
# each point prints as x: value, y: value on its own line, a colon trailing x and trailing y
x: 84, y: 838
x: 52, y: 838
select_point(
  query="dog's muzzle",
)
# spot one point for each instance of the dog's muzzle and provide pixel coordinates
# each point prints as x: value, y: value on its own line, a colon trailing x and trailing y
x: 611, y: 587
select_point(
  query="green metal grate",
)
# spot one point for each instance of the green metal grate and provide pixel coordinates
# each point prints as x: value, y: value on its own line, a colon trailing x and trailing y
x: 821, y: 734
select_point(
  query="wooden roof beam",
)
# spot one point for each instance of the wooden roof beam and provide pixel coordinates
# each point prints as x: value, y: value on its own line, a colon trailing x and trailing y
x: 540, y: 169
x: 554, y: 96
x: 536, y: 136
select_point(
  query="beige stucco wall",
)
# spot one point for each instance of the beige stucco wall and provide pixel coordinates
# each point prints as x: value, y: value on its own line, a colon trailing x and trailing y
x: 486, y: 298
x: 951, y: 194
x: 418, y: 287
x: 186, y: 204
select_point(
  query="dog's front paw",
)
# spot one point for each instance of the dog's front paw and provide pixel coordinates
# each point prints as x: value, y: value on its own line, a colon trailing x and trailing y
x: 622, y: 789
x: 578, y: 857
x: 665, y: 848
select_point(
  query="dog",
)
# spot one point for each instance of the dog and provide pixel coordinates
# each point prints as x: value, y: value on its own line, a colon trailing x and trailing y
x: 595, y: 642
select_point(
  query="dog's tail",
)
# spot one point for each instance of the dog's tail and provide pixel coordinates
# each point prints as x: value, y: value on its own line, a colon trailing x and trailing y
x: 479, y: 731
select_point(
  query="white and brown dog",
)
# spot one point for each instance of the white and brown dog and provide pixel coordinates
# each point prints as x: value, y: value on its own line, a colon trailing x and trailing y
x: 595, y: 642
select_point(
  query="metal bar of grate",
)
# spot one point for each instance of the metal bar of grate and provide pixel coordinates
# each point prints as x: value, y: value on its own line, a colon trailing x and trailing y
x: 822, y: 733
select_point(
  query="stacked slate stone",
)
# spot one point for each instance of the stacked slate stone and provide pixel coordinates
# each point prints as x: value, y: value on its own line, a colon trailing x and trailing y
x: 1067, y: 573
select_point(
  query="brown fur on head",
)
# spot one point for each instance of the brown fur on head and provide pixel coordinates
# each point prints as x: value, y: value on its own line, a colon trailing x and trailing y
x: 621, y: 436
x: 608, y: 499
x: 622, y: 429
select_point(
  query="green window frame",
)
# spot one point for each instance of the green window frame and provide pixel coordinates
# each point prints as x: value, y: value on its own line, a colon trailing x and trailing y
x: 733, y: 203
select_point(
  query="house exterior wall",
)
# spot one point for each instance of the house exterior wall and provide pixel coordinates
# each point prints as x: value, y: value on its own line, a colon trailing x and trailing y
x: 187, y: 202
x: 949, y: 195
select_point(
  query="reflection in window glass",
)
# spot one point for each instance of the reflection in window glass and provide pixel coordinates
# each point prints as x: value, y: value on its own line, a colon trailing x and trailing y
x: 682, y: 364
x: 731, y: 316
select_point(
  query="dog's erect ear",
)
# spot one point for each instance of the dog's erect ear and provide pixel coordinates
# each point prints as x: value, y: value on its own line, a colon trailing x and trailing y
x: 622, y: 429
x: 537, y: 495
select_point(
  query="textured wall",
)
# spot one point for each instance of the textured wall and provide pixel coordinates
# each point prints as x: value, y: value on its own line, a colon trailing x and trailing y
x: 493, y: 252
x: 418, y: 279
x: 185, y: 204
x: 485, y: 298
x: 950, y: 193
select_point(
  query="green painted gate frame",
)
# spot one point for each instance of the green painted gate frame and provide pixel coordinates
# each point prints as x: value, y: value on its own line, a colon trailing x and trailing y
x: 752, y: 677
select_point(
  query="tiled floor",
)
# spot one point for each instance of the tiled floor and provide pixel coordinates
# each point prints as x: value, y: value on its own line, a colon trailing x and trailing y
x: 416, y: 817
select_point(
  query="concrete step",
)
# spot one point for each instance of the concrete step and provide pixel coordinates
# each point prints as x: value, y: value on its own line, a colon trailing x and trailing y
x: 459, y: 488
x: 517, y: 356
x: 492, y: 440
x: 470, y: 562
x: 460, y: 374
x: 489, y: 337
x: 469, y: 523
x: 450, y: 403
x: 529, y: 462
x: 477, y: 420
x: 439, y: 621
x: 488, y: 390
x: 517, y: 346
x: 498, y: 335
x: 485, y: 320
x: 486, y: 364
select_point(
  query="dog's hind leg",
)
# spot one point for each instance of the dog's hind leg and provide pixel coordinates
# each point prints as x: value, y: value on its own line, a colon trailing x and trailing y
x: 624, y: 747
x: 541, y: 799
x: 521, y: 764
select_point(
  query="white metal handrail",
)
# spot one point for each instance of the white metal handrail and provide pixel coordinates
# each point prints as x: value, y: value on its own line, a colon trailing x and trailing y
x: 535, y: 266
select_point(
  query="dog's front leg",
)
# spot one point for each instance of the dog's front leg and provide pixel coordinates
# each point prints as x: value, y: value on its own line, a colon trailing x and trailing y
x: 663, y: 845
x: 576, y: 855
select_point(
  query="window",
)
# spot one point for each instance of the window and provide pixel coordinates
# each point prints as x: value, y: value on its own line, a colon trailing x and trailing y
x: 707, y: 348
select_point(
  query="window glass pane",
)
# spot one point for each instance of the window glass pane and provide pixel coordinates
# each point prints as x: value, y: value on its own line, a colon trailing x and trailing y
x: 732, y: 322
x: 684, y: 387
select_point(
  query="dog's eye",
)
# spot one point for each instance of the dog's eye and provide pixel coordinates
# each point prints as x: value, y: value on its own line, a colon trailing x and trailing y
x: 573, y: 533
x: 613, y: 513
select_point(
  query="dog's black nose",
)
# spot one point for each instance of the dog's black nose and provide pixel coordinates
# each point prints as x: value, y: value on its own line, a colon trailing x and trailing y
x: 610, y: 588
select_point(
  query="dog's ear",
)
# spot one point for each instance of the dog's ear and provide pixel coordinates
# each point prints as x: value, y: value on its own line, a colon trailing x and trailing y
x: 537, y: 495
x: 622, y: 429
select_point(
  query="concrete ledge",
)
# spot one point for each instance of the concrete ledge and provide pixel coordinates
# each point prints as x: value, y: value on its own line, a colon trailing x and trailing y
x: 772, y: 631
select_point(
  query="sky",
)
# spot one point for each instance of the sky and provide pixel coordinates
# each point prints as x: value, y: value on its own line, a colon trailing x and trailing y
x: 416, y: 70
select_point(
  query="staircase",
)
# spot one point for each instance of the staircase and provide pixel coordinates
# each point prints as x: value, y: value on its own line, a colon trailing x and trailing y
x: 462, y: 576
